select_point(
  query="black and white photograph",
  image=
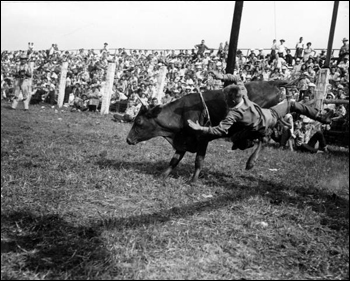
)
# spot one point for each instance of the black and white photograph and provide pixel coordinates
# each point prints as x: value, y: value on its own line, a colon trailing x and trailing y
x: 174, y: 140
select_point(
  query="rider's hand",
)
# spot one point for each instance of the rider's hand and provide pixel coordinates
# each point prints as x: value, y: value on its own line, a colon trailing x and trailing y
x: 194, y: 126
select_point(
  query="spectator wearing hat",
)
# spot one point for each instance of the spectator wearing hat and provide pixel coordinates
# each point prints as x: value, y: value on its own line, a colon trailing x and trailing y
x: 266, y: 73
x: 302, y: 143
x: 311, y: 91
x: 199, y: 71
x: 296, y: 71
x: 281, y: 49
x: 308, y: 52
x: 299, y: 48
x: 329, y: 106
x: 285, y: 74
x: 344, y: 50
x: 22, y: 83
x: 261, y: 54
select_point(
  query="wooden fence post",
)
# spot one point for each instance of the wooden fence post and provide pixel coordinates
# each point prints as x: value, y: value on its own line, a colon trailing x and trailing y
x: 62, y: 85
x: 107, y: 89
x: 321, y: 87
x: 161, y: 83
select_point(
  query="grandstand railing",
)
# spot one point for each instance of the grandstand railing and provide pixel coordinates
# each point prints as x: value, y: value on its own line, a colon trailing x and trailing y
x: 245, y: 51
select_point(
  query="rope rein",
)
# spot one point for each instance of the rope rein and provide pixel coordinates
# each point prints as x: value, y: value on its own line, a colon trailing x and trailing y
x: 205, y: 106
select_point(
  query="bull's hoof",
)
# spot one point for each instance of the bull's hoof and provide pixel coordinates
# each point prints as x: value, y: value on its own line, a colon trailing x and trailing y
x: 164, y: 176
x: 249, y: 166
x: 192, y: 182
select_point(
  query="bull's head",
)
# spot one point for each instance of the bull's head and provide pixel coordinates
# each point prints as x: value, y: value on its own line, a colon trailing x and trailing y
x: 145, y: 126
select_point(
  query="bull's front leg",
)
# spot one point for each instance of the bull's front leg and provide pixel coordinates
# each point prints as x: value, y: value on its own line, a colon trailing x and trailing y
x: 202, y: 149
x: 173, y: 163
x: 252, y: 159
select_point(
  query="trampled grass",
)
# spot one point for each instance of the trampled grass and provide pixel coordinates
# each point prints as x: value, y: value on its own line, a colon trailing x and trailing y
x: 77, y: 202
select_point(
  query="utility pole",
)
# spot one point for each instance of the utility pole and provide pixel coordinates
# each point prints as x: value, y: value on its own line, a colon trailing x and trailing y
x: 331, y: 34
x: 236, y: 22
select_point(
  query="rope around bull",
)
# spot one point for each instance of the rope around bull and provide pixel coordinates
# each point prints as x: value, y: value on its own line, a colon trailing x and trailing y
x: 204, y: 105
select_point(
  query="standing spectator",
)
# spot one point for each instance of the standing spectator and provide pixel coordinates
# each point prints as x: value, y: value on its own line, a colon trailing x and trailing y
x: 282, y: 48
x: 274, y: 48
x: 105, y: 48
x: 289, y: 58
x: 308, y: 52
x: 30, y: 49
x: 344, y: 50
x: 94, y: 98
x: 240, y: 60
x: 51, y: 51
x: 201, y: 48
x: 299, y: 48
x: 261, y: 55
x: 226, y: 50
x: 322, y: 57
x: 220, y: 52
x: 22, y: 83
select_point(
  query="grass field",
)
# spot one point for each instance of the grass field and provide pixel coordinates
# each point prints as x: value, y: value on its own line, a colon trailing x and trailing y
x: 77, y: 202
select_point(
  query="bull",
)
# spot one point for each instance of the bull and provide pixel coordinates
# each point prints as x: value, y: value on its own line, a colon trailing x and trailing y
x: 170, y: 121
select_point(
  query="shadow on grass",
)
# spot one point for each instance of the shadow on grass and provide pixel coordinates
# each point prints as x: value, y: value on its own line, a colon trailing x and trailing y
x: 54, y: 246
x: 151, y: 168
x: 334, y: 209
x: 49, y: 244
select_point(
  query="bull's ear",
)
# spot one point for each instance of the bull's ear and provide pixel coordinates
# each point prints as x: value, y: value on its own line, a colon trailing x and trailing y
x: 143, y: 109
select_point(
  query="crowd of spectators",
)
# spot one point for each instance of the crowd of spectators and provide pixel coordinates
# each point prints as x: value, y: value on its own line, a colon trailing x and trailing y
x: 137, y: 72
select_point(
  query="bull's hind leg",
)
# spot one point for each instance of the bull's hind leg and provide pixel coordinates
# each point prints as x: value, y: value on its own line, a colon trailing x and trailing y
x: 202, y: 149
x: 252, y: 159
x: 173, y: 163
